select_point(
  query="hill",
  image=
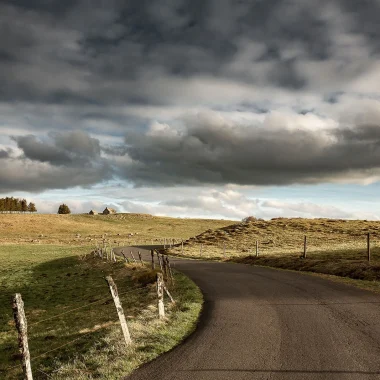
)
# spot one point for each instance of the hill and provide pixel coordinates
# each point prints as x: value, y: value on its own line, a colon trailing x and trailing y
x: 334, y: 247
x: 83, y: 229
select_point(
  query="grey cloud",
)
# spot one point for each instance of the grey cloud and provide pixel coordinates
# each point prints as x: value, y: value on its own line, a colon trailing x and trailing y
x: 26, y: 175
x: 37, y: 150
x: 5, y: 153
x: 211, y: 150
x: 69, y: 148
x: 107, y: 52
x: 58, y: 161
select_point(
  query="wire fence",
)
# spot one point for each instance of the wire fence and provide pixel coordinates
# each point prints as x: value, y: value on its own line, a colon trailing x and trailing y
x: 114, y: 295
x: 344, y: 245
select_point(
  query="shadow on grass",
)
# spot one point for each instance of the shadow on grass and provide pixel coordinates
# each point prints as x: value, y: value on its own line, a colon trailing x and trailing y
x: 51, y: 291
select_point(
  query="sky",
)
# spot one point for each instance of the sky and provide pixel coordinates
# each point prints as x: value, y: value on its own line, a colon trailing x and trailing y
x: 202, y: 108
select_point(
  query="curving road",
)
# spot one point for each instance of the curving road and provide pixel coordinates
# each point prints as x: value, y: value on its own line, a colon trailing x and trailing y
x: 261, y: 323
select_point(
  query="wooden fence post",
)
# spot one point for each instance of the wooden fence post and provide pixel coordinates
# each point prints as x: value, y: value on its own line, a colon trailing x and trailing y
x: 22, y: 328
x: 140, y: 258
x: 164, y: 267
x: 125, y: 257
x: 133, y: 257
x: 304, y: 246
x: 159, y: 261
x: 257, y: 248
x: 224, y: 249
x: 169, y: 295
x: 152, y: 254
x: 200, y: 249
x: 160, y: 296
x: 181, y: 246
x: 368, y: 247
x: 169, y: 269
x: 119, y: 309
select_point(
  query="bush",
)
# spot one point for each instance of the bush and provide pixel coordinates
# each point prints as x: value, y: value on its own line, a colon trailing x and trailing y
x: 64, y: 209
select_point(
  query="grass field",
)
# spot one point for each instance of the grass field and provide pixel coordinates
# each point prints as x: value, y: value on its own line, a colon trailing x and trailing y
x: 335, y: 247
x: 67, y: 301
x: 80, y: 229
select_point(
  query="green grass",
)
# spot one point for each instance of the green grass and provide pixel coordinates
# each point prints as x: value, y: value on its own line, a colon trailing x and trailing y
x: 54, y: 280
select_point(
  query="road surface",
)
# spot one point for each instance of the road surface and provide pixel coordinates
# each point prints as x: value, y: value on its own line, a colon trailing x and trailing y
x: 261, y: 323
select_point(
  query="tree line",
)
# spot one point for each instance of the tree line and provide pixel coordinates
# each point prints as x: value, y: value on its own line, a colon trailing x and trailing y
x: 10, y: 204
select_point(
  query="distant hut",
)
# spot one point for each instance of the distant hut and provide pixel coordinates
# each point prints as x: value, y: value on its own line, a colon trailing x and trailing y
x: 92, y: 212
x: 108, y: 211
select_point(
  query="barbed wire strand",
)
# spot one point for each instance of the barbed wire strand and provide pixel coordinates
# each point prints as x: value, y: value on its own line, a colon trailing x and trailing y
x: 40, y: 370
x: 68, y: 343
x: 82, y: 307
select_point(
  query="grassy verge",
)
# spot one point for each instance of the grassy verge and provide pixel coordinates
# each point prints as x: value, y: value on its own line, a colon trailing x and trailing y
x: 68, y: 307
x: 354, y: 272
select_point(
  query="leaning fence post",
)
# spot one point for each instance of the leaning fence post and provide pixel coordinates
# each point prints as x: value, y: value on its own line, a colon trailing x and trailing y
x: 125, y: 257
x: 22, y: 328
x: 119, y: 309
x: 133, y: 257
x: 368, y: 247
x: 168, y: 293
x: 160, y: 296
x: 304, y: 246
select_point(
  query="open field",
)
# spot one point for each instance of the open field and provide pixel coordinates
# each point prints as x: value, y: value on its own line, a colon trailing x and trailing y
x: 337, y: 247
x: 67, y: 303
x: 83, y: 229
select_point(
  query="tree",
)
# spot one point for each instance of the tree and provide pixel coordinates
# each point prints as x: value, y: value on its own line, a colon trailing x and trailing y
x: 63, y: 209
x: 24, y: 205
x: 32, y: 207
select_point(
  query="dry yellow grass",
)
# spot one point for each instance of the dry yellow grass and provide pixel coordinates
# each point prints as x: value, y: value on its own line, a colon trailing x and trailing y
x: 336, y: 247
x: 284, y: 236
x: 83, y: 229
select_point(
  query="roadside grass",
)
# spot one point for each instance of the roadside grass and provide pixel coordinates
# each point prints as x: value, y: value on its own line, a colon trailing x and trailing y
x: 67, y: 301
x: 82, y: 229
x: 334, y: 247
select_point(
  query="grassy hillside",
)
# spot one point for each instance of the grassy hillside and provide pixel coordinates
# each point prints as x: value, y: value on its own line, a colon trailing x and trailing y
x: 85, y: 229
x: 336, y: 247
x: 70, y: 311
x: 284, y: 236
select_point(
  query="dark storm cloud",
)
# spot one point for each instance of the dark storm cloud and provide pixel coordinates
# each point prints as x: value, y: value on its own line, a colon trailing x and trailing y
x: 83, y: 63
x: 70, y: 148
x: 210, y: 150
x: 5, y: 153
x: 99, y: 52
x: 58, y: 161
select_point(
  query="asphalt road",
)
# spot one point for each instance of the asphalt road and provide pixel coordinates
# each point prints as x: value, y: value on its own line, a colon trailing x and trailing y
x: 261, y: 323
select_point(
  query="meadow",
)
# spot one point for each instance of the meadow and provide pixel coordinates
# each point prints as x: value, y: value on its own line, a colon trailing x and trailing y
x: 73, y: 325
x: 334, y: 247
